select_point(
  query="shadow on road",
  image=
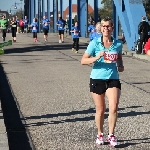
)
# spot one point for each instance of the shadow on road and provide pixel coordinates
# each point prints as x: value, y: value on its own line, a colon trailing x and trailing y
x: 18, y: 138
x: 73, y: 118
x: 46, y: 47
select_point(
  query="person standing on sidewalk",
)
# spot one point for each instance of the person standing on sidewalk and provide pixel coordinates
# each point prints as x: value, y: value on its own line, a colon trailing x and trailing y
x: 147, y: 47
x: 4, y: 25
x: 45, y: 23
x: 106, y: 54
x: 61, y: 27
x: 14, y: 28
x: 34, y: 26
x: 75, y: 35
x: 143, y: 29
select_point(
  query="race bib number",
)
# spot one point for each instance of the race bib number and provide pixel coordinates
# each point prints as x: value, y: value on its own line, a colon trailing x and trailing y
x: 76, y: 32
x: 93, y: 30
x: 110, y: 57
x: 13, y: 25
x: 61, y: 26
x: 34, y: 28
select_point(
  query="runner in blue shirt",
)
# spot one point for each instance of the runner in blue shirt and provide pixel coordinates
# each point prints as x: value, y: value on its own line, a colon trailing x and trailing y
x: 26, y: 22
x: 34, y: 26
x: 98, y: 33
x: 91, y: 29
x: 61, y: 26
x: 75, y: 35
x: 45, y: 23
x: 106, y: 54
x: 18, y: 26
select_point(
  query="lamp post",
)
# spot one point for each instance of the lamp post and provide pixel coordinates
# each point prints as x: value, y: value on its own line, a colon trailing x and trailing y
x: 10, y: 11
x: 15, y: 6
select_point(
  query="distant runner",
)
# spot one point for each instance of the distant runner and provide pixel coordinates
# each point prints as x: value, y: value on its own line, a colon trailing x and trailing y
x: 4, y: 25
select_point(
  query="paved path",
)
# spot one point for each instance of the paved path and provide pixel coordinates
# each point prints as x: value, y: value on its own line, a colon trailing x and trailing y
x: 48, y: 105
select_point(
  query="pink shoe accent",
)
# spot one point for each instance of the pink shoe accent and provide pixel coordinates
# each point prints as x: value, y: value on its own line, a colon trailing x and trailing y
x: 100, y: 139
x: 112, y: 140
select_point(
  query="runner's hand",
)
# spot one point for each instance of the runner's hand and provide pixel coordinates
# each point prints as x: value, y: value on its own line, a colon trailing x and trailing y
x: 100, y: 54
x: 121, y: 69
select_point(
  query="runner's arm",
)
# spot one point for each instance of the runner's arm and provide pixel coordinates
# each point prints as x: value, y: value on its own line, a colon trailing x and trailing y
x: 88, y: 57
x: 119, y: 61
x: 72, y: 29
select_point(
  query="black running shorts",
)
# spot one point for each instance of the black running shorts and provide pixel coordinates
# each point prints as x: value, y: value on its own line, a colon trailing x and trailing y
x: 45, y: 31
x: 99, y: 86
x: 61, y: 32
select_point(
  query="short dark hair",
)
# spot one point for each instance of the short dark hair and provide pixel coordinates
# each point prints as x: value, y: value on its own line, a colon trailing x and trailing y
x: 76, y: 22
x: 107, y: 19
x: 143, y: 18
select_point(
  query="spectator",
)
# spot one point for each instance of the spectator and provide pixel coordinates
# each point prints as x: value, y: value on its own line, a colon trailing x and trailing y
x: 143, y: 29
x: 147, y: 47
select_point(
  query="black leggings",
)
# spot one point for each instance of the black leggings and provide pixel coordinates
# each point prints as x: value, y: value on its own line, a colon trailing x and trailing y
x: 34, y: 34
x: 76, y: 43
x: 14, y: 30
x: 143, y: 40
x: 4, y: 34
x: 22, y: 29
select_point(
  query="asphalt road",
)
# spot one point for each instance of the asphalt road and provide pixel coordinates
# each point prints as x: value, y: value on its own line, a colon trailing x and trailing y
x: 47, y: 104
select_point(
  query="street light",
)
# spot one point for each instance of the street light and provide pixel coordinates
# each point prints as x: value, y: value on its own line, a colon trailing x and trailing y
x: 15, y: 6
x: 10, y: 11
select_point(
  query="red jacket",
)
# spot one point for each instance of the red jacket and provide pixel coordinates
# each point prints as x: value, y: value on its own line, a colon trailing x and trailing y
x: 147, y: 46
x: 21, y: 23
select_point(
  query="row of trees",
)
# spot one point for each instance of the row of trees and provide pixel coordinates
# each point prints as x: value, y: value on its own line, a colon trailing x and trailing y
x: 106, y: 10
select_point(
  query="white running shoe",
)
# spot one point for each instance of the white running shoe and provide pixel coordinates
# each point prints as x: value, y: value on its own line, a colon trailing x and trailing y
x: 100, y: 139
x: 112, y: 140
x: 60, y: 41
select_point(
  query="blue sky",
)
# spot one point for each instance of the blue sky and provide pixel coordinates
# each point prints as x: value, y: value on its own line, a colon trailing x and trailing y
x: 8, y: 4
